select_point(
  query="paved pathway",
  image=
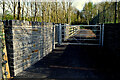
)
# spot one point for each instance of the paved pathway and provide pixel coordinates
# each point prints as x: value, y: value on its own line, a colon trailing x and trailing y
x: 68, y: 62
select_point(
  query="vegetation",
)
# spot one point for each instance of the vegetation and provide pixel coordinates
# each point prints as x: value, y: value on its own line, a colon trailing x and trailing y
x: 60, y: 12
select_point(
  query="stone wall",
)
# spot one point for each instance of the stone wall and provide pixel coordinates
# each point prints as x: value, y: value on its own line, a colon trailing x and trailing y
x: 27, y: 43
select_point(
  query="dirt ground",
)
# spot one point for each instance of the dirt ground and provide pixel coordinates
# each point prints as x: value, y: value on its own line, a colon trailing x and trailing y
x: 86, y: 33
x: 80, y: 36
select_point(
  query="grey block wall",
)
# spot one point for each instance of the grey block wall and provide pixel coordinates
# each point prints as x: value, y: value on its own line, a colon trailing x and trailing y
x: 27, y: 43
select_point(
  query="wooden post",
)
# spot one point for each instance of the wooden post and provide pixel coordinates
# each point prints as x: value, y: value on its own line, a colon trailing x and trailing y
x: 5, y: 66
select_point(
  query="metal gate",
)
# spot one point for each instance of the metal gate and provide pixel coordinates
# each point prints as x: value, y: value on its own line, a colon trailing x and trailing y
x: 80, y: 34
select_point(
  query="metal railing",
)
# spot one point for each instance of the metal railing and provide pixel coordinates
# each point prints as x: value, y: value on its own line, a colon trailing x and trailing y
x: 80, y: 34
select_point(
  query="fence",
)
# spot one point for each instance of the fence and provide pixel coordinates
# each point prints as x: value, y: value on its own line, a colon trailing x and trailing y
x: 80, y: 34
x: 110, y: 14
x: 27, y: 42
x: 66, y: 30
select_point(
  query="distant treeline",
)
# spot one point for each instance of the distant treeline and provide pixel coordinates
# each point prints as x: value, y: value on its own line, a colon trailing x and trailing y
x: 104, y: 12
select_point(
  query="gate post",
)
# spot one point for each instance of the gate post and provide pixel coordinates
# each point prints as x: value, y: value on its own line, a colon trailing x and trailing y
x: 102, y: 35
x: 53, y: 34
x: 64, y: 32
x: 59, y: 34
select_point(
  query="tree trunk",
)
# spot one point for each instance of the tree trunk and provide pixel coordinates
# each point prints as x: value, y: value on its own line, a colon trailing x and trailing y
x: 27, y: 12
x: 119, y: 11
x: 3, y: 10
x: 43, y: 12
x: 49, y: 12
x: 31, y: 12
x: 64, y: 12
x: 70, y: 3
x: 56, y: 12
x: 19, y: 10
x: 14, y: 10
x: 35, y: 11
x: 115, y: 13
x: 23, y: 17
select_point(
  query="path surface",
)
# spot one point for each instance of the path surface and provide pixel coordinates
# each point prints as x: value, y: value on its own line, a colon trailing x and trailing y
x: 69, y: 62
x: 85, y: 33
x: 84, y: 36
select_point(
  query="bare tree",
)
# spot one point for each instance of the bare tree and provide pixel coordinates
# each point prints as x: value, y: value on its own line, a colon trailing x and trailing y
x: 119, y: 11
x: 52, y: 15
x: 27, y: 11
x: 39, y: 12
x: 35, y: 10
x: 64, y: 12
x: 19, y: 10
x: 56, y: 12
x: 31, y: 11
x: 69, y: 17
x: 43, y: 12
x: 23, y: 17
x: 3, y: 10
x: 15, y: 4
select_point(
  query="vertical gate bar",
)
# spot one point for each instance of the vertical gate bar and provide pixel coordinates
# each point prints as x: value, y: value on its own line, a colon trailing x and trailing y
x: 56, y: 33
x: 53, y: 34
x: 102, y: 35
x: 80, y: 35
x: 79, y: 30
x: 44, y: 39
x: 59, y: 34
x: 65, y: 32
